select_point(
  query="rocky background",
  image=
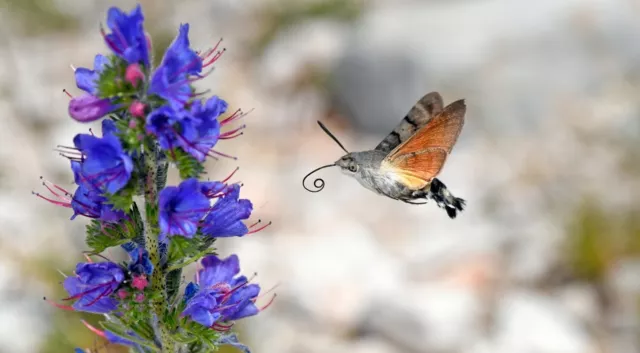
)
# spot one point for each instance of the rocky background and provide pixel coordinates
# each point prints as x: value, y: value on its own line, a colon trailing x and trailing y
x: 545, y: 259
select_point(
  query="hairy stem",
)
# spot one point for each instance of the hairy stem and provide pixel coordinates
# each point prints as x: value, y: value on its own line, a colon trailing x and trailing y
x: 151, y: 233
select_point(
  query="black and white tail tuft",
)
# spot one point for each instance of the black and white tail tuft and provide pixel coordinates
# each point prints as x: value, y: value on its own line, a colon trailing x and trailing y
x: 441, y: 195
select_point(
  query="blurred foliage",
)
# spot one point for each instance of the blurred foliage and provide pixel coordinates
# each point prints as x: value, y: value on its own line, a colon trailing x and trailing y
x: 598, y: 238
x: 37, y: 17
x: 283, y: 14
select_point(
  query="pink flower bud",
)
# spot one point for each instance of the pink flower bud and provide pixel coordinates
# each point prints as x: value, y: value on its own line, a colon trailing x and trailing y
x: 139, y: 298
x: 122, y: 293
x: 137, y: 109
x: 134, y: 74
x: 139, y: 282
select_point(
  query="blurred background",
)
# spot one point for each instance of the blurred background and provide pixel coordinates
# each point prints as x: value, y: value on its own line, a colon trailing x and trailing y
x: 546, y: 258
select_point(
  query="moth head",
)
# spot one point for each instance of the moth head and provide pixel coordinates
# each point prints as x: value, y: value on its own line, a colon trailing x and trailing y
x: 348, y: 164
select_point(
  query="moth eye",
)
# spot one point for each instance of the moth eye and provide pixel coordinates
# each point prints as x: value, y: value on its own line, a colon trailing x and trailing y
x: 353, y: 168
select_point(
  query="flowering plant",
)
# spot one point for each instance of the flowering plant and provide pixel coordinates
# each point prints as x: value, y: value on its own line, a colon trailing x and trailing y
x: 153, y: 117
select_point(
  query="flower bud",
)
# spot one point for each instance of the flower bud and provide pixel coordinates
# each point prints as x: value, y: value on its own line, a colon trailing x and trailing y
x: 137, y: 109
x: 134, y: 74
x: 89, y: 108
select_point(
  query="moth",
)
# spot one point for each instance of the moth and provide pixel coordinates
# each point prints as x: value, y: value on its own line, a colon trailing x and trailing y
x: 405, y: 164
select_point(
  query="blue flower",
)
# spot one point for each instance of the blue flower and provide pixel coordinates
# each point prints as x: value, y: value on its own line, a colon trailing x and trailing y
x: 127, y: 38
x: 212, y: 188
x: 205, y: 119
x: 93, y: 285
x: 88, y: 107
x: 225, y: 218
x: 90, y: 204
x: 182, y: 208
x: 171, y: 79
x: 87, y: 79
x: 232, y: 340
x: 106, y: 166
x: 170, y: 127
x: 140, y: 263
x: 221, y: 295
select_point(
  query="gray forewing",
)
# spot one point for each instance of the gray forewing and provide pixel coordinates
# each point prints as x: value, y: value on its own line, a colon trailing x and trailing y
x: 419, y: 115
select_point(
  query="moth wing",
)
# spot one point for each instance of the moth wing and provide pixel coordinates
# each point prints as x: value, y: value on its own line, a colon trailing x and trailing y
x: 416, y: 170
x: 419, y: 115
x: 422, y: 156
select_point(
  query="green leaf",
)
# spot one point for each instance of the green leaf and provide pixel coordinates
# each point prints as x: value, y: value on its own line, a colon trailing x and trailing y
x: 123, y: 199
x: 138, y: 231
x: 111, y: 82
x: 188, y: 166
x: 129, y: 131
x: 101, y: 236
x: 173, y: 283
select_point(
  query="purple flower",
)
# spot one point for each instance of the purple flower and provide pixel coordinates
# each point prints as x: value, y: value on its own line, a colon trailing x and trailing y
x: 93, y: 285
x: 225, y: 218
x: 182, y: 208
x: 222, y: 295
x: 88, y: 107
x: 207, y: 127
x: 87, y: 79
x: 105, y: 165
x: 127, y: 38
x: 171, y: 79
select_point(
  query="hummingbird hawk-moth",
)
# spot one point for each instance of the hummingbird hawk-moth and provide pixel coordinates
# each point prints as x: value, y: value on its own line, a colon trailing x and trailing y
x: 405, y: 164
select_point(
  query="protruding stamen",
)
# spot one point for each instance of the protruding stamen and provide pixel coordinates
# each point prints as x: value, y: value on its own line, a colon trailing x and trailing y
x: 215, y: 57
x: 59, y: 306
x: 255, y: 224
x: 94, y: 330
x: 199, y: 94
x: 222, y: 155
x: 72, y: 67
x: 55, y: 202
x: 221, y: 327
x: 64, y: 90
x: 238, y: 113
x: 230, y: 175
x: 259, y: 229
x: 269, y: 303
x: 228, y: 134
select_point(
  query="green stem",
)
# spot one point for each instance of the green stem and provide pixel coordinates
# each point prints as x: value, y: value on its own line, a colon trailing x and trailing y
x: 151, y: 233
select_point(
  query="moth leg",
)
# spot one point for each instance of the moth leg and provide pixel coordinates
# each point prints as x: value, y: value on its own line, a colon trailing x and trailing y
x: 415, y: 203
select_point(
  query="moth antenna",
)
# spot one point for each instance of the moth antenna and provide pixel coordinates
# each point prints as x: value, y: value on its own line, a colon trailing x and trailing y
x: 324, y: 128
x: 319, y: 182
